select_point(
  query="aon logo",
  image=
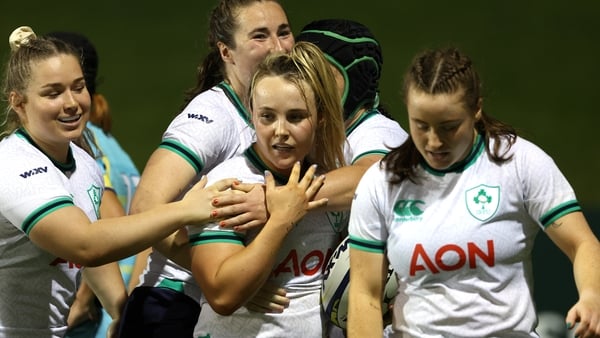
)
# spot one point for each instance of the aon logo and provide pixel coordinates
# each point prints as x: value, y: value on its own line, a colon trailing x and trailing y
x: 312, y: 263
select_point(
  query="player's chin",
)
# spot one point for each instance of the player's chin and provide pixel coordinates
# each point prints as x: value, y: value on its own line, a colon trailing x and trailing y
x: 284, y: 164
x: 285, y: 167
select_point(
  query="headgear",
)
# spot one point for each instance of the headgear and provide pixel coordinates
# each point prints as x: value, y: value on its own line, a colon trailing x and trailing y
x: 355, y: 52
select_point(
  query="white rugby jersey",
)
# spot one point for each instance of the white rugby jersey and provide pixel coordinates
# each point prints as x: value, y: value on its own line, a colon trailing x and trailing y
x: 215, y: 126
x: 36, y: 287
x: 461, y: 240
x: 299, y: 265
x: 373, y: 133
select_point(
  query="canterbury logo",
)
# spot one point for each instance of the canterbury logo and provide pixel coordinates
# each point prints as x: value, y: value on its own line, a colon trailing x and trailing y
x: 408, y: 208
x: 200, y: 117
x: 34, y: 171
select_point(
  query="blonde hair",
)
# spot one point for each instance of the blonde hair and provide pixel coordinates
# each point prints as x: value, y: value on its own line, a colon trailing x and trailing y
x: 28, y: 49
x: 306, y: 64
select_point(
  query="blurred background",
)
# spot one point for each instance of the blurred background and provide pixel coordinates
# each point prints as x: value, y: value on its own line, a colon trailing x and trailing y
x: 538, y: 61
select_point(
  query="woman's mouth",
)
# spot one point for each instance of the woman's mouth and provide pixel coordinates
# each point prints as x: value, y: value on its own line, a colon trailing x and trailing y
x: 70, y: 119
x: 282, y: 147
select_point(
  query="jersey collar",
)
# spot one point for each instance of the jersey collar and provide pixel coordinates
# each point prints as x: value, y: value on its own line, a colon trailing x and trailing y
x: 235, y: 100
x: 252, y: 156
x: 363, y: 117
x: 65, y: 168
x: 459, y: 167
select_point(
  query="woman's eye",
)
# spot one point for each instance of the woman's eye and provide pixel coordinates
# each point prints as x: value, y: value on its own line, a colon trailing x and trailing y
x: 450, y: 127
x: 296, y: 118
x: 266, y: 117
x: 285, y: 33
x: 259, y: 36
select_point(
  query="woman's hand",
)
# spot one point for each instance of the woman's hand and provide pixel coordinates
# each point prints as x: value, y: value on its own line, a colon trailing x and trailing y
x: 244, y: 210
x: 201, y: 199
x: 270, y: 298
x: 292, y: 201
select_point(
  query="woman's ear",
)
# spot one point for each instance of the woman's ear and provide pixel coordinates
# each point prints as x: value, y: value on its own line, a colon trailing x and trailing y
x: 224, y: 52
x: 479, y: 110
x: 16, y: 102
x: 478, y: 115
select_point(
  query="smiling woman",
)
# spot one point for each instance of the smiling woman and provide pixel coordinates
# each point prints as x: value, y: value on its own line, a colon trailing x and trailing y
x: 295, y: 108
x: 50, y: 193
x: 55, y: 104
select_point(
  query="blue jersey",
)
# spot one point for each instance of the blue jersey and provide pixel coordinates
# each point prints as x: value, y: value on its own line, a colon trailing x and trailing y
x: 120, y: 173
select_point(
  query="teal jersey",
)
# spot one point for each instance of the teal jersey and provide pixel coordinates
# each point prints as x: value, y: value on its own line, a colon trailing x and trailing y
x: 121, y: 174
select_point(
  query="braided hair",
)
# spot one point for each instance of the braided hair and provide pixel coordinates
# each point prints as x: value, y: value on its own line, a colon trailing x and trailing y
x: 447, y: 71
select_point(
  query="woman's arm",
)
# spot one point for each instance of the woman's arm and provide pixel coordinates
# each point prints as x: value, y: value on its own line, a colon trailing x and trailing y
x: 107, y: 284
x: 368, y: 273
x: 84, y: 306
x: 338, y: 190
x: 572, y: 234
x: 69, y: 234
x: 341, y: 183
x: 229, y: 274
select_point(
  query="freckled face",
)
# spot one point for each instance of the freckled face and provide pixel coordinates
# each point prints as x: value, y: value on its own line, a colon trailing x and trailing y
x: 441, y: 127
x: 284, y: 121
x: 56, y: 104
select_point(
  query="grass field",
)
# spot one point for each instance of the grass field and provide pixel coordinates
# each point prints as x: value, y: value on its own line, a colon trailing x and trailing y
x: 538, y: 61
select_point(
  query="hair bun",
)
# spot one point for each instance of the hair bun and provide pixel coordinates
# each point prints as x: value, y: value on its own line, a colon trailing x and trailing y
x: 20, y: 36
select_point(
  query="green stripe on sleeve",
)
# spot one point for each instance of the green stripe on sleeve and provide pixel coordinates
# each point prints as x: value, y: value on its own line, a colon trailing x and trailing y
x: 558, y: 212
x: 184, y: 152
x: 44, y: 210
x: 208, y: 237
x: 366, y: 245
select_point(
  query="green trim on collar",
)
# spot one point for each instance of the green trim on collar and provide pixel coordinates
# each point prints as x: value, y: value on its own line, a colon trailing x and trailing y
x: 458, y: 167
x: 69, y: 166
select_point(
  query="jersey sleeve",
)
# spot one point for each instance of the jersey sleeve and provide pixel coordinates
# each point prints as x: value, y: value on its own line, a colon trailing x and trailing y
x: 27, y: 195
x: 367, y: 226
x: 203, y: 135
x: 376, y: 134
x: 547, y: 193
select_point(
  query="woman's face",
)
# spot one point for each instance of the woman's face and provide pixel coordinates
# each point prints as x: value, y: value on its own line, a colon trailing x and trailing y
x: 285, y: 122
x: 56, y: 104
x: 441, y: 127
x: 262, y: 28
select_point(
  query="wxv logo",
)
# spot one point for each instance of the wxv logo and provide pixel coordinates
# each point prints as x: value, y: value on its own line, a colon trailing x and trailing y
x: 34, y: 171
x: 200, y: 117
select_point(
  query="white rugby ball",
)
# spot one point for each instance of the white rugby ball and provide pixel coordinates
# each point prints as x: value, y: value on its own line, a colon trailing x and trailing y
x: 334, y: 291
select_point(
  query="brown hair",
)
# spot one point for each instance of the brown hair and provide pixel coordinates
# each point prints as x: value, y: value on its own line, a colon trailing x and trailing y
x: 447, y: 71
x: 222, y: 25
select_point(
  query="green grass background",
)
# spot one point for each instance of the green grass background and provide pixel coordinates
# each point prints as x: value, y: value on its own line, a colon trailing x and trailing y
x: 538, y: 61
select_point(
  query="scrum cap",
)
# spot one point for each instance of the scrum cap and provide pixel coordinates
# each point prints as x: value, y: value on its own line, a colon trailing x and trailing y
x: 353, y: 49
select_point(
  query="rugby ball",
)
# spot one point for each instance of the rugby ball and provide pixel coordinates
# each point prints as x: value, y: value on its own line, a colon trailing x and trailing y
x: 334, y: 290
